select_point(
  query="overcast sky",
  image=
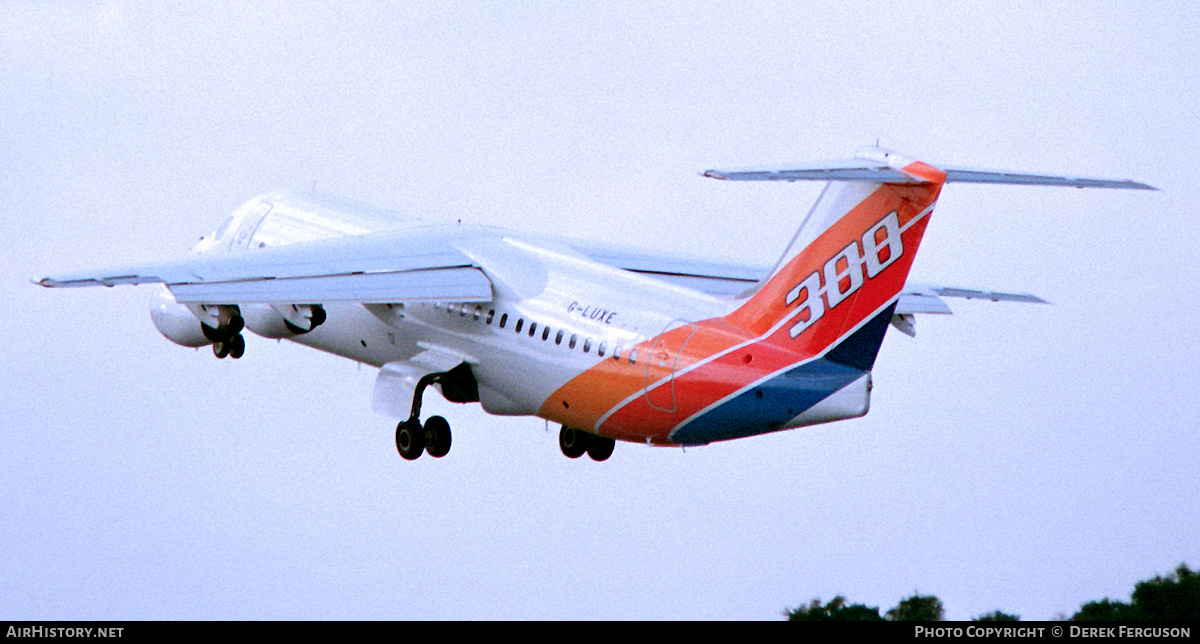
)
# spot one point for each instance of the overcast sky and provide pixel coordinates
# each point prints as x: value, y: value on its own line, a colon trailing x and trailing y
x: 1016, y: 457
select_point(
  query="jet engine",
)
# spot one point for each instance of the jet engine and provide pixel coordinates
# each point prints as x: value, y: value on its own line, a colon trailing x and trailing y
x: 284, y: 321
x: 175, y: 321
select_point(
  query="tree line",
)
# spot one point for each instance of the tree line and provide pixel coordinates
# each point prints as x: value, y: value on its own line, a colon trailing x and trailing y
x: 1175, y: 597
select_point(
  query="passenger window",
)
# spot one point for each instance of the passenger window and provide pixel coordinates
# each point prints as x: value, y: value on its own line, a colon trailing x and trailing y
x: 633, y: 356
x: 617, y: 353
x: 558, y: 338
x: 520, y: 321
x: 545, y: 333
x: 532, y: 328
x: 491, y: 314
x: 478, y: 312
x: 463, y: 311
x: 587, y: 345
x: 571, y: 344
x: 503, y: 320
x: 600, y: 351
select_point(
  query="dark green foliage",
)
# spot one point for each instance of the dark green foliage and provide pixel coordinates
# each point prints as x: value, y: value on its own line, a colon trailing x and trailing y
x: 1104, y: 610
x: 1177, y: 597
x: 918, y: 608
x: 1172, y: 598
x: 835, y: 611
x: 997, y: 616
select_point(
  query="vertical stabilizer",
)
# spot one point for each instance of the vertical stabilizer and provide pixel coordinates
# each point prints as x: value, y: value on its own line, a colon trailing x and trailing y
x: 849, y: 259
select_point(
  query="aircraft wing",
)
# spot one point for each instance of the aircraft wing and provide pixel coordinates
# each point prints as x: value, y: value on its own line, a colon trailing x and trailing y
x: 415, y: 263
x: 728, y: 279
x: 714, y: 277
x: 420, y: 262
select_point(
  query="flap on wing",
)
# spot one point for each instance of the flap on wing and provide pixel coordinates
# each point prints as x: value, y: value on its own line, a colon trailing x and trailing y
x: 416, y: 263
x: 461, y: 284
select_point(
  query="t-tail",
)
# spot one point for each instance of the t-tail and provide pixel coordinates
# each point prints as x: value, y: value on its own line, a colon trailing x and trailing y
x: 851, y: 255
x: 848, y: 261
x: 828, y: 301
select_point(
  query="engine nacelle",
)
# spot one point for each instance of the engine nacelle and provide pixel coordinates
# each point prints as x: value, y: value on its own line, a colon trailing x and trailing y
x: 175, y: 321
x: 264, y: 320
x: 280, y: 322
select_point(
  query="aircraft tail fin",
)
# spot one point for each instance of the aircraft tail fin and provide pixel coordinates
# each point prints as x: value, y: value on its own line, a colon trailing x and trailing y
x: 850, y: 257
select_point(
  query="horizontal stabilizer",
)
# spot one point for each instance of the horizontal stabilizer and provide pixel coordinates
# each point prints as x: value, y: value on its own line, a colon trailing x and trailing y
x: 971, y: 175
x: 872, y: 164
x: 995, y: 296
x: 842, y: 170
x: 918, y: 298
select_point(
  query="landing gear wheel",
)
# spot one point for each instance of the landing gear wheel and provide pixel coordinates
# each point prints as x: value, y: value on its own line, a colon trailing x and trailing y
x: 437, y: 436
x: 221, y: 349
x: 410, y: 439
x: 600, y: 448
x: 572, y: 442
x: 236, y: 324
x: 237, y: 346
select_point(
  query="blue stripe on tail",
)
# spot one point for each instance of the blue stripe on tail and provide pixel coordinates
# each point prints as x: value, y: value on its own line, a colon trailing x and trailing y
x: 767, y: 406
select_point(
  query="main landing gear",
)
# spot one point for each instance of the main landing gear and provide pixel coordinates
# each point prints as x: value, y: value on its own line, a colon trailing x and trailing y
x: 227, y: 339
x: 575, y: 442
x: 413, y: 438
x: 458, y: 385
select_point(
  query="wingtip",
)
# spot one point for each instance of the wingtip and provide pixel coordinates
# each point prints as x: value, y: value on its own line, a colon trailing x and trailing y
x: 1127, y: 184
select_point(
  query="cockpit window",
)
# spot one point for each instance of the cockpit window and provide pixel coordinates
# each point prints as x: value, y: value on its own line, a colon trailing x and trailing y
x: 220, y: 234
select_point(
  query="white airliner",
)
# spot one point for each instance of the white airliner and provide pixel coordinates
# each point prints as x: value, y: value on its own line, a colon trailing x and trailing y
x: 613, y: 343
